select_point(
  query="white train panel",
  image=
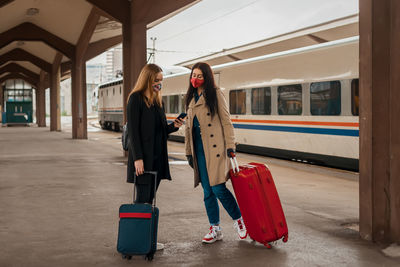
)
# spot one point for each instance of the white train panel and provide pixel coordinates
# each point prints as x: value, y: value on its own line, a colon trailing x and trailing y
x: 330, y: 140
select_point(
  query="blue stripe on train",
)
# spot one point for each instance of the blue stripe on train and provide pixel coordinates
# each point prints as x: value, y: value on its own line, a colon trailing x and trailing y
x: 343, y: 132
x: 327, y: 131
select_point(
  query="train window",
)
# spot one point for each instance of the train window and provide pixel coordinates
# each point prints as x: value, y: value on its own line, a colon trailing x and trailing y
x: 325, y: 98
x: 261, y: 100
x: 101, y: 93
x: 120, y: 90
x: 174, y: 104
x: 355, y: 97
x: 237, y: 102
x: 107, y: 92
x: 290, y: 100
x: 113, y: 91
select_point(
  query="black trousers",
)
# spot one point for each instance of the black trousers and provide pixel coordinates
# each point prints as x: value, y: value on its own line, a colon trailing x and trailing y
x: 145, y: 192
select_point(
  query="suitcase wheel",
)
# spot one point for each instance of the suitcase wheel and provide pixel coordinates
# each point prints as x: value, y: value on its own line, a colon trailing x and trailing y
x: 285, y: 238
x: 149, y: 257
x: 126, y: 257
x: 268, y: 245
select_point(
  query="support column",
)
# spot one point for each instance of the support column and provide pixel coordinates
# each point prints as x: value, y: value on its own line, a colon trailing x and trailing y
x: 394, y: 150
x: 55, y: 79
x: 379, y: 123
x: 79, y: 112
x: 134, y: 55
x: 78, y: 78
x: 1, y: 102
x: 37, y: 103
x: 41, y: 102
x: 1, y: 99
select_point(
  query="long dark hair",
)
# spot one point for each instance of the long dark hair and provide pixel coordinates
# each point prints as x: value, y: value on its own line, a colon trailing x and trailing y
x: 210, y: 89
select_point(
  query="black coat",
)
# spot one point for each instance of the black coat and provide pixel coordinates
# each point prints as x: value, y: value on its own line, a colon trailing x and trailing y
x: 141, y: 129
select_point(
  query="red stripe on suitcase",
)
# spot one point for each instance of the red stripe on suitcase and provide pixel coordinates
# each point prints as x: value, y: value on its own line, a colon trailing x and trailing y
x: 135, y: 215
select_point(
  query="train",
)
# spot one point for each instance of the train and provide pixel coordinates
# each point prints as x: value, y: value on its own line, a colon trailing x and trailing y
x: 301, y: 104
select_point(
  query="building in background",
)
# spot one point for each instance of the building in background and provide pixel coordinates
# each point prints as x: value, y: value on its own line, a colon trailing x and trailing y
x: 114, y: 62
x: 96, y: 73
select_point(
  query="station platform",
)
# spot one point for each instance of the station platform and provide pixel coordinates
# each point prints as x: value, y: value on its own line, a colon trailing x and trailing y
x: 59, y: 201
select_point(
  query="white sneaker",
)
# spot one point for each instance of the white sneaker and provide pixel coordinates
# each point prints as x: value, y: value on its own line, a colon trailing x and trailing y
x: 160, y: 246
x: 214, y: 235
x: 240, y: 228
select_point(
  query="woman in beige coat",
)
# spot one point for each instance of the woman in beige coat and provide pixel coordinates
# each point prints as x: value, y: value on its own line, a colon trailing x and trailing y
x: 209, y: 140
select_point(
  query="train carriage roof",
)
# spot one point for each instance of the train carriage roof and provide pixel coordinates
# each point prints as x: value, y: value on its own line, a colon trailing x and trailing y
x: 321, y: 33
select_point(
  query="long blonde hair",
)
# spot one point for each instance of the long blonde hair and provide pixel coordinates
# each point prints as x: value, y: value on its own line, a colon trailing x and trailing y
x: 146, y: 78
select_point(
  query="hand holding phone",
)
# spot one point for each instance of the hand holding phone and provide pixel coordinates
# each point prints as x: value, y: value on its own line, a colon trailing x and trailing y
x: 182, y: 115
x: 179, y: 120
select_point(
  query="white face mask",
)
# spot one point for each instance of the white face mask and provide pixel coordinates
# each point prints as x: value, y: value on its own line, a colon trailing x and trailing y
x: 157, y: 87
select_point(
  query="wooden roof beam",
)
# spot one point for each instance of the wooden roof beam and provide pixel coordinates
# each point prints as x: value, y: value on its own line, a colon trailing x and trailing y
x: 5, y: 2
x: 145, y: 11
x: 103, y: 14
x: 19, y: 54
x: 96, y: 48
x: 66, y: 68
x: 30, y: 32
x: 57, y: 62
x: 15, y: 75
x: 86, y: 34
x: 119, y: 10
x: 93, y: 50
x: 13, y: 67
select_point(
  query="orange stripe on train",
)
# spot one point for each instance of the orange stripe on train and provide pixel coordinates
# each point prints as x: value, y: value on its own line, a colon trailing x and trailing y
x: 319, y: 123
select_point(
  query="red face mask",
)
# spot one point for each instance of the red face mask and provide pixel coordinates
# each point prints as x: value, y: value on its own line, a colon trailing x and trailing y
x: 196, y: 82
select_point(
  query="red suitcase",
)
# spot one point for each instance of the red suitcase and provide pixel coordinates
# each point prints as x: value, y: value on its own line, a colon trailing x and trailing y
x: 259, y: 202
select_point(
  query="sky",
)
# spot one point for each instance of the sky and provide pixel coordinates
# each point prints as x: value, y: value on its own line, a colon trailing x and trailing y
x: 213, y: 25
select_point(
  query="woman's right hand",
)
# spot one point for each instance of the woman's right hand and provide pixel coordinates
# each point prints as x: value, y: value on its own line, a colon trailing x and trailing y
x: 139, y: 167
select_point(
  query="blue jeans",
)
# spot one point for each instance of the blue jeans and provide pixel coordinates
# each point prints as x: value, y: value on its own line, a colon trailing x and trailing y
x: 211, y: 193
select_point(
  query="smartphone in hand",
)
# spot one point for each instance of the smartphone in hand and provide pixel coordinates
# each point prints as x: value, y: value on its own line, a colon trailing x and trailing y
x: 182, y: 115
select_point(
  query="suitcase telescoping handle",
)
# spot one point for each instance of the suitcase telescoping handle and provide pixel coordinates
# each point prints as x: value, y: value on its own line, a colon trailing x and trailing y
x: 155, y: 186
x: 234, y: 163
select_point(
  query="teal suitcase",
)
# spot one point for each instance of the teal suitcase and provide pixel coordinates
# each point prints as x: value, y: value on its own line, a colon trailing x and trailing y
x: 137, y: 232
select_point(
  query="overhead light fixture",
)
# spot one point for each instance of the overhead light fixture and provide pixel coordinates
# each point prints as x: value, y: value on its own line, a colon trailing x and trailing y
x: 20, y: 43
x: 32, y: 11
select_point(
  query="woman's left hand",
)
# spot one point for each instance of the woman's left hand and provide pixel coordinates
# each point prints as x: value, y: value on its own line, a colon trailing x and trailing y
x: 178, y: 122
x: 230, y: 152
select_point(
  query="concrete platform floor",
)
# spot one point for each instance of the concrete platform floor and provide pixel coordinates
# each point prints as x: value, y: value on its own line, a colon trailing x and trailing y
x: 59, y: 202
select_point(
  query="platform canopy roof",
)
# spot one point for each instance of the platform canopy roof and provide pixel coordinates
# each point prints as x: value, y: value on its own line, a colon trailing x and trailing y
x: 325, y: 32
x: 36, y: 33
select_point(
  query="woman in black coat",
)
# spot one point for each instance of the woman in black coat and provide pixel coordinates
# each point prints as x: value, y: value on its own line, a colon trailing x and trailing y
x: 148, y: 132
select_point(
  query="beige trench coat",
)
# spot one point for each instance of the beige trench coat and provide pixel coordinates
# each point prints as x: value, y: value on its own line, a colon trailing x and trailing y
x: 217, y: 136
